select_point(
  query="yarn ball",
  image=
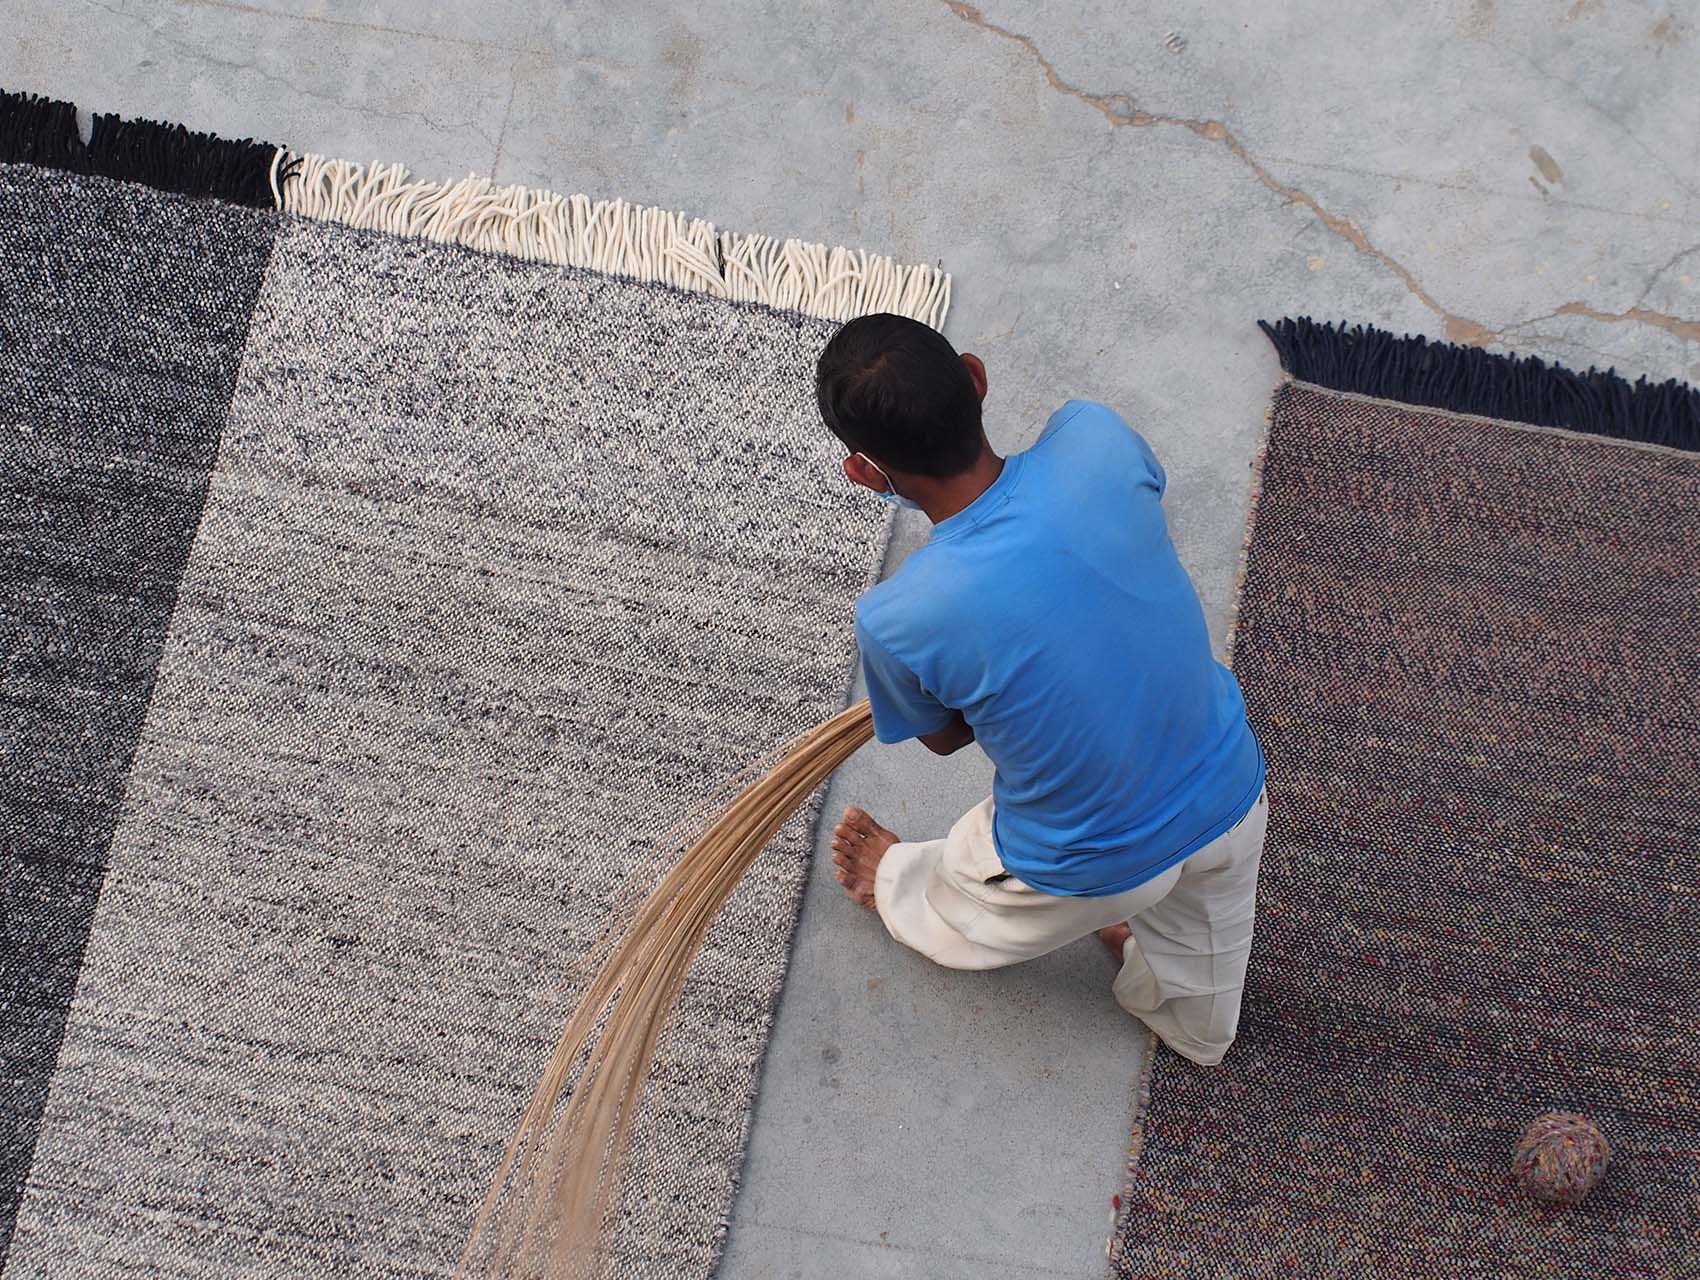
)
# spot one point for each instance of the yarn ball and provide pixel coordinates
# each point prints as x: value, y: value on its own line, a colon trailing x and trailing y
x: 1560, y: 1158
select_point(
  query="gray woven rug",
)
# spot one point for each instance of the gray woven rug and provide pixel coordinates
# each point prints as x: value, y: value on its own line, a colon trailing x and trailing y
x: 315, y: 794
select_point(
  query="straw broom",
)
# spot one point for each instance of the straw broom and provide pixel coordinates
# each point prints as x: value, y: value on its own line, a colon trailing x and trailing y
x: 551, y: 1205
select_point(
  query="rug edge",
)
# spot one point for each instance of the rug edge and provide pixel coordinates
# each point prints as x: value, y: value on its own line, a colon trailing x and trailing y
x: 814, y: 810
x: 1142, y: 1088
x: 613, y: 236
x: 1414, y: 370
x: 38, y: 130
x: 1119, y: 1212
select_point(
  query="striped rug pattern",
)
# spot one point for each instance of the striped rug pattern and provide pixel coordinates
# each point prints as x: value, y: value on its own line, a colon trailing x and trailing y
x: 374, y: 607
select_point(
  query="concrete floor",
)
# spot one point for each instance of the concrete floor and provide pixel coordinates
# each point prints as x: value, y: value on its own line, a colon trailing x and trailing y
x: 1121, y: 191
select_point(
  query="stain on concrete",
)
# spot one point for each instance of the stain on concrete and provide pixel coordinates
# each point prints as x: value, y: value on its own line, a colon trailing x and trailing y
x: 1583, y: 9
x: 1316, y: 262
x: 1667, y: 33
x: 1477, y: 20
x: 684, y: 54
x: 1546, y: 164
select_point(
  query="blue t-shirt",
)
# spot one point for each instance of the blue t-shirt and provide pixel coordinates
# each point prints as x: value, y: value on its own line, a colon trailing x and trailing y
x: 1054, y: 614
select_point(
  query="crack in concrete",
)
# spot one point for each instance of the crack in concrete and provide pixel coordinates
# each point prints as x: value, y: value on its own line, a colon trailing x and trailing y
x: 371, y: 28
x: 1687, y: 330
x: 286, y: 82
x: 1658, y: 275
x: 507, y: 114
x: 1120, y: 110
x: 1547, y: 198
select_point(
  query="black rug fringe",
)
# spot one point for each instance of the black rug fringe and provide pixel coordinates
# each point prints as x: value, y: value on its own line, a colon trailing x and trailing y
x: 173, y: 158
x: 1415, y: 371
x: 36, y: 130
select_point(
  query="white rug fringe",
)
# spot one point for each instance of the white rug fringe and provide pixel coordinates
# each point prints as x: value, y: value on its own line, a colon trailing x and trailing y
x: 613, y: 236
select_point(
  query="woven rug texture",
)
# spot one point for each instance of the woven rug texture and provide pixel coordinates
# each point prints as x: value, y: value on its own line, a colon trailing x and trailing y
x: 1469, y: 651
x: 372, y: 610
x: 114, y: 381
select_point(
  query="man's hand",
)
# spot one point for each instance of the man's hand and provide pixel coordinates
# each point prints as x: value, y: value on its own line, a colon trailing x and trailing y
x: 952, y: 738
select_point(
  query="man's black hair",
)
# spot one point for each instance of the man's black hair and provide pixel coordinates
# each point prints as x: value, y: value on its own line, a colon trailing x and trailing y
x: 894, y: 389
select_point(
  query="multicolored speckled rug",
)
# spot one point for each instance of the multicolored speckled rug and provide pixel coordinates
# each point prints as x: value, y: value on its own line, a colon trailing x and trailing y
x: 1470, y: 649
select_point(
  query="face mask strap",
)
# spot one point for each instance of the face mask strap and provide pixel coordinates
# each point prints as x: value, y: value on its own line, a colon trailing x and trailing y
x: 889, y: 486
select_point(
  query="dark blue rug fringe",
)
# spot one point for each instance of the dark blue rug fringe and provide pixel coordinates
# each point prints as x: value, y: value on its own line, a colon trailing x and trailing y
x: 1415, y: 371
x: 36, y: 130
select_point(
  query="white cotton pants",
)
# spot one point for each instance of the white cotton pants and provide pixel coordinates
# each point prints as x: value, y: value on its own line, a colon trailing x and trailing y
x: 1183, y: 970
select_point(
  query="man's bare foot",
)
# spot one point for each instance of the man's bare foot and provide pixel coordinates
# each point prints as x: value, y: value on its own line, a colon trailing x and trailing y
x: 858, y: 844
x: 1115, y: 938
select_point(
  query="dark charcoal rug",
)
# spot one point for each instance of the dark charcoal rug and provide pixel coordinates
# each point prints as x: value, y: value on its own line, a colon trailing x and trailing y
x: 1469, y: 647
x: 371, y: 610
x: 115, y: 378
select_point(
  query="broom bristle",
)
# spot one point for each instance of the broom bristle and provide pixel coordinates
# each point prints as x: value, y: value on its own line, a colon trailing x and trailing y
x: 552, y: 1204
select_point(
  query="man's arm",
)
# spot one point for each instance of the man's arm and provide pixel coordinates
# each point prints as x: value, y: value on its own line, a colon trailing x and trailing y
x: 902, y: 708
x: 950, y: 739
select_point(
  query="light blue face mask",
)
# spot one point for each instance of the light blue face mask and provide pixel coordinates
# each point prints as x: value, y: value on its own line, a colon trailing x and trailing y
x: 890, y: 495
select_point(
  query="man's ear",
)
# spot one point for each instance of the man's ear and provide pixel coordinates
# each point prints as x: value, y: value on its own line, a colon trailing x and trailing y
x: 858, y: 469
x: 976, y: 371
